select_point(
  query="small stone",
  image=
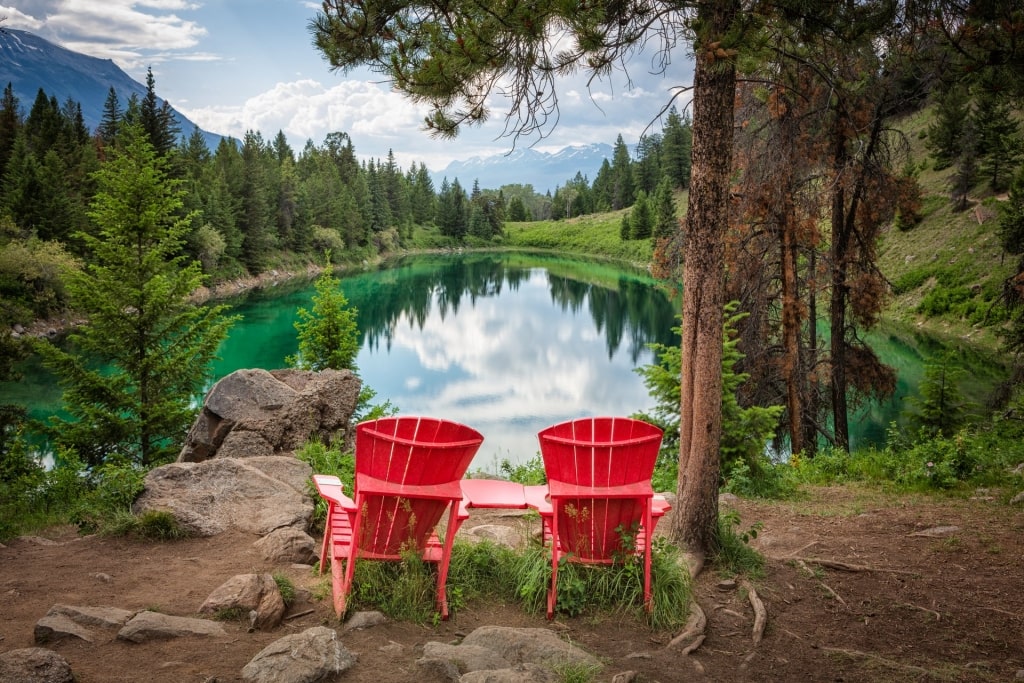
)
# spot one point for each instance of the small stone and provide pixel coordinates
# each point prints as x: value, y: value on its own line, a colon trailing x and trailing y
x: 1018, y: 499
x: 361, y: 620
x: 1020, y: 675
x: 626, y: 677
x: 726, y: 585
x: 105, y: 578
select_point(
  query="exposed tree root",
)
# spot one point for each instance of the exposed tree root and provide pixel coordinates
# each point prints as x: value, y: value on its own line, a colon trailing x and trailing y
x: 938, y: 617
x: 760, y: 613
x: 692, y: 634
x: 835, y: 596
x: 844, y: 566
x: 876, y: 658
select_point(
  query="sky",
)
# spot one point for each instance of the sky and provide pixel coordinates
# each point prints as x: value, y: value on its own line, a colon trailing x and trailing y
x: 237, y: 65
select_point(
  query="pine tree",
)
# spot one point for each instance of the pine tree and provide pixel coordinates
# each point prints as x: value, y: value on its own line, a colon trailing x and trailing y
x: 642, y: 219
x: 328, y: 334
x: 665, y: 221
x: 10, y: 122
x: 107, y: 131
x: 133, y: 371
x: 675, y: 149
x: 946, y: 130
x: 623, y: 192
x: 625, y: 228
x: 517, y: 210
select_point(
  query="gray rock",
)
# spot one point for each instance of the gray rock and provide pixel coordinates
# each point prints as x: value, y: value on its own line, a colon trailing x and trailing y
x: 1019, y: 498
x: 500, y: 654
x: 248, y: 593
x: 258, y: 413
x: 313, y: 655
x: 287, y: 546
x: 626, y: 677
x: 104, y: 617
x: 212, y: 496
x: 291, y: 471
x: 466, y: 658
x: 367, y: 619
x: 536, y: 645
x: 146, y: 626
x: 56, y: 627
x: 34, y: 665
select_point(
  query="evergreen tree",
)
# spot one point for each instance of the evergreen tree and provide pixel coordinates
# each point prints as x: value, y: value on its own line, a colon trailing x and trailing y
x: 677, y: 140
x: 422, y: 200
x: 665, y: 221
x: 110, y: 121
x: 10, y: 122
x: 623, y: 192
x: 256, y: 218
x: 940, y: 405
x: 517, y: 210
x: 951, y: 111
x: 603, y: 189
x: 157, y: 119
x: 647, y: 170
x: 133, y: 371
x: 999, y: 144
x: 641, y: 218
x: 625, y: 228
x: 452, y: 212
x: 328, y: 334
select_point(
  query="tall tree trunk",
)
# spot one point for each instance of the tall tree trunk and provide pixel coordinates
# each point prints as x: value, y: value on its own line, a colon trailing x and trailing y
x: 810, y: 438
x: 707, y: 218
x: 791, y: 323
x: 837, y: 305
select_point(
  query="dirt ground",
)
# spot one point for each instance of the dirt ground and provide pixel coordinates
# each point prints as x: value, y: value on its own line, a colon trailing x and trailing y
x: 915, y: 608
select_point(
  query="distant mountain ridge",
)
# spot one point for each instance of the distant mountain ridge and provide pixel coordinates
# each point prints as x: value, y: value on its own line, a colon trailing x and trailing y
x: 29, y: 63
x: 544, y: 170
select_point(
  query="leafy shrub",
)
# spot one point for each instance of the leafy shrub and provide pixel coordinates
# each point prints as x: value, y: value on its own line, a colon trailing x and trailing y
x: 735, y: 555
x: 529, y: 473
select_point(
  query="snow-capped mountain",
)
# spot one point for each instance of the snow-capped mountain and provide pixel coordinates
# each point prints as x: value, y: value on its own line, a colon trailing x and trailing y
x: 544, y: 170
x: 29, y: 63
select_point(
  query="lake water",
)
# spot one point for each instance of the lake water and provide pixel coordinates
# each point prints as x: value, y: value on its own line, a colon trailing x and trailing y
x: 505, y: 342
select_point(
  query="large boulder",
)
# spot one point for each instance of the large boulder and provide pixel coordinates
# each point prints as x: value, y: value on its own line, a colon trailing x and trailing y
x: 316, y: 654
x: 34, y: 665
x: 254, y: 595
x: 258, y: 413
x: 210, y: 497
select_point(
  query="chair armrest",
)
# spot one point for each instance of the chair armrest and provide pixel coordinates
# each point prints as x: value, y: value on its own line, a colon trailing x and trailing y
x: 537, y: 498
x: 330, y: 489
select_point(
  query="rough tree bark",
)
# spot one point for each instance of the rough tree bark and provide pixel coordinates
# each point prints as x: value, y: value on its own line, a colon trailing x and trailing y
x: 695, y: 521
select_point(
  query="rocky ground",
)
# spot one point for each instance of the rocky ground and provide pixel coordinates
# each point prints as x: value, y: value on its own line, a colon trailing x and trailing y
x: 860, y: 586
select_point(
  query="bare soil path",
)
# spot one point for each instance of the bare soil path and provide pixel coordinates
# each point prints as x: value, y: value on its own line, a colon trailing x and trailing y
x: 852, y: 593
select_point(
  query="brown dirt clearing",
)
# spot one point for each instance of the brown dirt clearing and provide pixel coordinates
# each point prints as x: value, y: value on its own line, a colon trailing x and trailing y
x: 949, y: 608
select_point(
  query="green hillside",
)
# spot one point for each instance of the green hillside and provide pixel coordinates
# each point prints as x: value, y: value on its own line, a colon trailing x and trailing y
x: 947, y: 271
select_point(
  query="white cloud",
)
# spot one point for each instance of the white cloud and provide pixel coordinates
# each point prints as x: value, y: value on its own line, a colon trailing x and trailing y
x: 133, y: 33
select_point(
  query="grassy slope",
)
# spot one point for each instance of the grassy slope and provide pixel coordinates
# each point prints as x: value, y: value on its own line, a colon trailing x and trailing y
x: 948, y: 249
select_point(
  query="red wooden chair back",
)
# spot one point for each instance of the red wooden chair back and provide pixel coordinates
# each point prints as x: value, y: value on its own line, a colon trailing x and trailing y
x: 592, y: 454
x: 406, y: 461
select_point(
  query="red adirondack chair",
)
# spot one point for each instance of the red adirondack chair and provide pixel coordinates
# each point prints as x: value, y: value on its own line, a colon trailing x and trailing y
x: 407, y: 474
x: 599, y: 507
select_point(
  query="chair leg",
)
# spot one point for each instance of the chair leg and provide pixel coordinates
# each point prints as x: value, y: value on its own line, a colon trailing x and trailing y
x: 338, y: 584
x: 325, y: 546
x: 648, y: 540
x: 553, y: 590
x: 446, y: 556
